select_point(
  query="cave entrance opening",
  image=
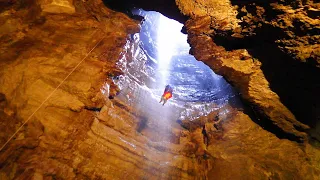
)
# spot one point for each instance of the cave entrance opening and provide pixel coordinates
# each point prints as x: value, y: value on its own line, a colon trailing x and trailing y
x: 159, y: 55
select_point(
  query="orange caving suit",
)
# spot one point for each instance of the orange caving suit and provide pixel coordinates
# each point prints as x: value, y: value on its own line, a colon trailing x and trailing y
x: 167, y: 94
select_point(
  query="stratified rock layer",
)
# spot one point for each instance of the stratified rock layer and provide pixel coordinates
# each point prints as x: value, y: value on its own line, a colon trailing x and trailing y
x: 243, y: 150
x: 79, y: 133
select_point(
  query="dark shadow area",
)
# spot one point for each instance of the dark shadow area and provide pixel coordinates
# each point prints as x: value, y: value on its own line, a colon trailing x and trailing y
x: 313, y: 14
x: 142, y: 124
x: 266, y: 34
x: 296, y: 83
x: 205, y: 136
x: 166, y: 7
x: 96, y: 109
x: 266, y: 123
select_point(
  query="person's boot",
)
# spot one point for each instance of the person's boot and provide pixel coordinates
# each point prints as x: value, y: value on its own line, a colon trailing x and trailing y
x: 161, y: 99
x: 164, y: 101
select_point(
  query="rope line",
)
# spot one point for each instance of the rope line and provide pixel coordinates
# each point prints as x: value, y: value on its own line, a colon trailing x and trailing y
x: 50, y: 95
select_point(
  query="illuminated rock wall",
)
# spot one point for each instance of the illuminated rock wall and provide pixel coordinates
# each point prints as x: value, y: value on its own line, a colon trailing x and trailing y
x: 79, y: 133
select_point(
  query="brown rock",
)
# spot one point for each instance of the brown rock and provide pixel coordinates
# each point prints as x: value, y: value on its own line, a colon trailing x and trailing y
x: 246, y: 151
x: 79, y: 133
x: 57, y: 6
x: 246, y: 75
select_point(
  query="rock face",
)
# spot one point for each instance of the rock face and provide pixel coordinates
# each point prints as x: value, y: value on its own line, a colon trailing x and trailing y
x: 248, y: 55
x: 291, y: 33
x: 245, y: 74
x: 260, y: 156
x: 40, y: 46
x: 57, y: 62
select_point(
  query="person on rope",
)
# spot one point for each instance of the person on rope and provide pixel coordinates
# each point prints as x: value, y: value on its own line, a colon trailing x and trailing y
x: 167, y: 94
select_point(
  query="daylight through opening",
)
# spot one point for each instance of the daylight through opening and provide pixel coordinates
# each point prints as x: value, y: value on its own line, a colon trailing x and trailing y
x: 158, y: 56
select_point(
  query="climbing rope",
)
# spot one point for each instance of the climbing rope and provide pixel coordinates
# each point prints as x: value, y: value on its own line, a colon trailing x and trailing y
x: 50, y: 95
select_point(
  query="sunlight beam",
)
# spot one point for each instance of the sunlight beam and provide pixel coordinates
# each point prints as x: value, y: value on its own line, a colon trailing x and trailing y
x: 169, y: 38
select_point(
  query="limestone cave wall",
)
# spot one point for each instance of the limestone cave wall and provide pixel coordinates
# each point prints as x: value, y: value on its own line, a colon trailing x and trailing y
x: 268, y: 50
